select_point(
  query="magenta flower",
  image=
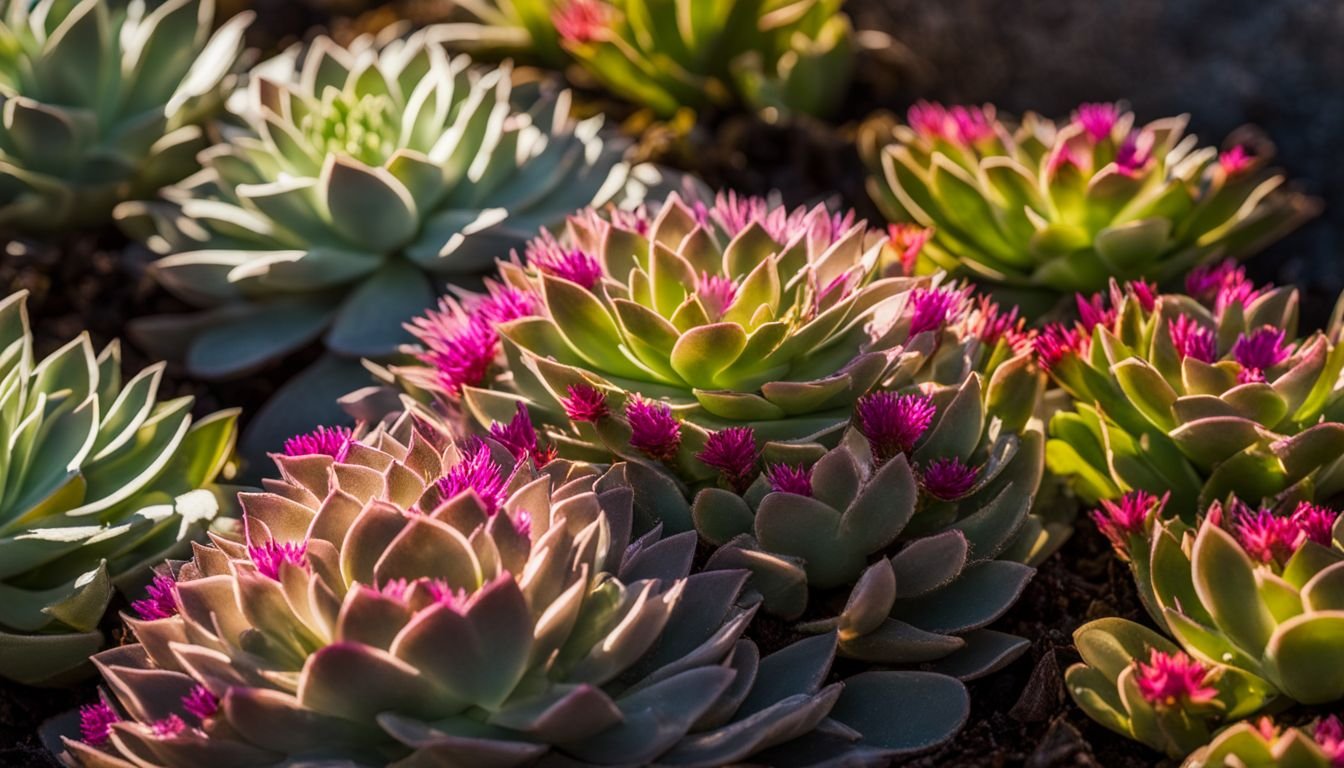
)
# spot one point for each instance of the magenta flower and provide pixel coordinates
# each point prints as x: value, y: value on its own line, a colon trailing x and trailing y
x: 1222, y: 285
x: 1315, y: 523
x: 934, y: 308
x: 893, y: 423
x: 1131, y: 157
x: 732, y: 451
x: 1235, y: 160
x: 580, y: 21
x: 991, y: 325
x: 520, y: 437
x: 323, y: 441
x: 548, y: 255
x: 1142, y: 291
x: 1120, y: 521
x: 441, y: 593
x: 462, y: 358
x: 948, y: 478
x: 95, y: 723
x: 271, y: 556
x: 1192, y: 339
x: 476, y: 471
x: 503, y: 303
x: 1171, y: 680
x: 1267, y: 538
x: 1097, y: 120
x: 716, y: 293
x: 200, y: 703
x: 1259, y: 352
x: 1329, y: 736
x: 653, y: 429
x: 1057, y: 342
x: 168, y: 727
x: 162, y: 600
x: 787, y: 478
x: 907, y: 240
x: 964, y: 125
x: 1094, y: 310
x: 585, y: 404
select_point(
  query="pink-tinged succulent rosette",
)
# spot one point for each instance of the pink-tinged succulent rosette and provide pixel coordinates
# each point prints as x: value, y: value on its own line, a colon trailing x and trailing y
x: 404, y: 599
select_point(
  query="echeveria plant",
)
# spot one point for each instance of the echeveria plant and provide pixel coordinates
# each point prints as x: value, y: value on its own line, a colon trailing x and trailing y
x: 360, y: 179
x: 1263, y: 744
x: 1257, y: 589
x: 414, y: 601
x: 777, y: 56
x: 1042, y: 210
x: 1143, y: 686
x: 99, y: 481
x: 103, y: 102
x: 1199, y: 396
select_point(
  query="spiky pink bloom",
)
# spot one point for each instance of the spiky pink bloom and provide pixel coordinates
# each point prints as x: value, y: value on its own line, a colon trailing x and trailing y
x: 948, y: 478
x: 323, y: 441
x: 1171, y: 680
x: 1235, y: 160
x: 1193, y: 340
x: 1267, y: 538
x: 520, y: 437
x: 934, y: 308
x: 653, y: 428
x: 907, y: 240
x: 788, y: 478
x: 580, y: 21
x: 1329, y: 736
x: 1315, y: 523
x: 441, y: 593
x: 1094, y: 310
x: 168, y: 727
x: 95, y: 723
x: 964, y: 125
x: 1204, y: 281
x: 1222, y: 285
x: 636, y: 220
x: 991, y: 325
x: 732, y: 451
x: 503, y: 303
x: 893, y: 423
x: 1057, y: 342
x: 1127, y: 518
x: 161, y: 602
x: 271, y: 556
x: 396, y: 589
x: 476, y: 471
x: 1097, y: 120
x: 1131, y: 156
x: 1261, y: 350
x: 200, y: 703
x: 463, y: 357
x: 1142, y: 291
x: 549, y: 256
x: 716, y: 293
x: 584, y: 403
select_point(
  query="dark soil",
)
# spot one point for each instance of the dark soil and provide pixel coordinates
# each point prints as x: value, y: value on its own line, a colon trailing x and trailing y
x: 1277, y: 64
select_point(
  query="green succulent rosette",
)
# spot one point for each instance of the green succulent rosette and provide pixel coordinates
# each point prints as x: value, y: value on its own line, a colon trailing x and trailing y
x: 407, y: 600
x: 1197, y: 397
x: 1263, y: 744
x: 1141, y: 685
x: 1040, y: 210
x: 99, y: 480
x: 359, y: 181
x: 778, y: 57
x: 101, y: 102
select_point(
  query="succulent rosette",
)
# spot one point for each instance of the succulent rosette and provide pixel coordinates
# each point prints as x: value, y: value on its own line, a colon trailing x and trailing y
x: 780, y: 57
x: 100, y: 481
x: 103, y: 102
x: 1199, y: 396
x: 359, y: 180
x: 1042, y: 210
x: 403, y: 599
x: 1263, y: 744
x: 1259, y: 589
x: 1143, y: 686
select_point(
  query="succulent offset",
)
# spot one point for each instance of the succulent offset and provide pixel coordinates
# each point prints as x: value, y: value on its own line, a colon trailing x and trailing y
x: 1141, y: 685
x: 780, y: 57
x: 98, y: 482
x: 1043, y: 210
x: 403, y: 599
x: 363, y: 179
x: 104, y: 102
x: 1198, y: 396
x: 1263, y: 744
